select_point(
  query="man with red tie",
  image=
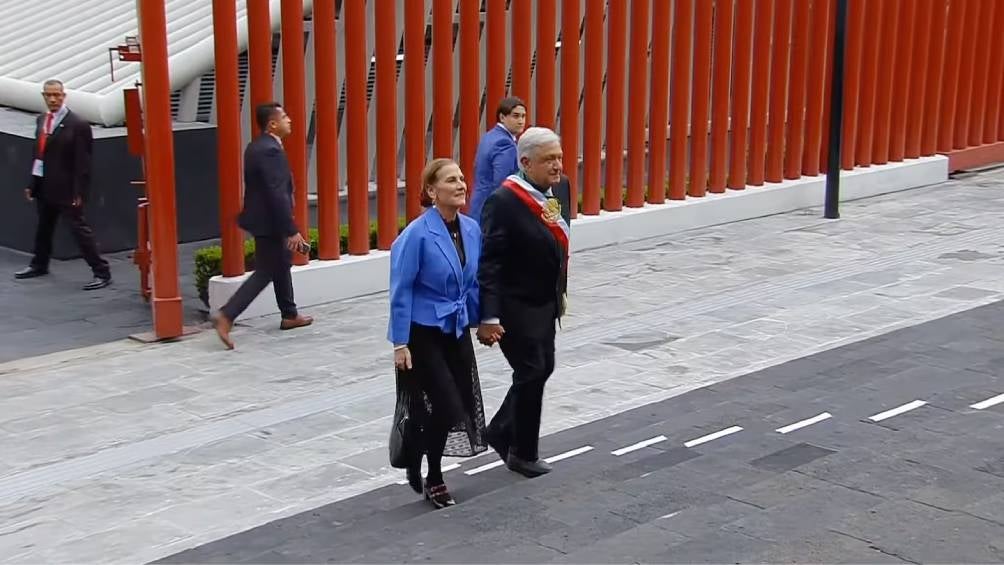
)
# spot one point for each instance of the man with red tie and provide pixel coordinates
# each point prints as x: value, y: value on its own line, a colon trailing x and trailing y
x: 60, y: 183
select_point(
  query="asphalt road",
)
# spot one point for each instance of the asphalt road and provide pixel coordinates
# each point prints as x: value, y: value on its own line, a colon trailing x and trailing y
x: 885, y: 451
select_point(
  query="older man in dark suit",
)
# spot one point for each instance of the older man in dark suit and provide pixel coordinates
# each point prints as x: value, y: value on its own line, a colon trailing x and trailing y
x: 523, y: 277
x: 60, y: 183
x: 268, y: 216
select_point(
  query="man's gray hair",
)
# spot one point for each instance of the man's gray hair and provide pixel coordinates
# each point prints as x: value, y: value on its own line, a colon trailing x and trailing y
x: 532, y: 140
x: 54, y: 82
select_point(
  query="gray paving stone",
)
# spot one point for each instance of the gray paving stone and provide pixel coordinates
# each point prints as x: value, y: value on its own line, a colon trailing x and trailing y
x: 824, y: 547
x: 310, y: 483
x: 790, y: 457
x: 639, y: 544
x: 910, y: 530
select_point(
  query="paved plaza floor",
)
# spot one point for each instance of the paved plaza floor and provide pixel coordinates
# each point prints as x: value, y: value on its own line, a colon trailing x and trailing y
x: 126, y: 452
x: 51, y: 314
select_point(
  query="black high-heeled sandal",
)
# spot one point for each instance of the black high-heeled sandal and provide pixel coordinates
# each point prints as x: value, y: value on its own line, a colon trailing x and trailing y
x: 439, y: 495
x: 414, y: 475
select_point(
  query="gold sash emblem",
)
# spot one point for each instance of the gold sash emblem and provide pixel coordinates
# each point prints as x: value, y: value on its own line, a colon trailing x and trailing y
x: 552, y: 211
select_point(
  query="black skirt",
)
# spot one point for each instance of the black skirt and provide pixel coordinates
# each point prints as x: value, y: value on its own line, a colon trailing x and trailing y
x: 445, y: 372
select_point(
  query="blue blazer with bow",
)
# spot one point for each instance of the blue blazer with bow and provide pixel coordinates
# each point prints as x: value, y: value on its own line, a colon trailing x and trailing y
x: 494, y: 161
x: 428, y: 286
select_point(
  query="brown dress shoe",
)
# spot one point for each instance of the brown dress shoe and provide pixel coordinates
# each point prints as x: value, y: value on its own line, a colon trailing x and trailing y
x: 297, y: 322
x: 223, y: 326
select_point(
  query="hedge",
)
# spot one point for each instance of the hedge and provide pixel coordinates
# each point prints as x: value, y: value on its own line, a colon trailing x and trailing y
x: 209, y: 260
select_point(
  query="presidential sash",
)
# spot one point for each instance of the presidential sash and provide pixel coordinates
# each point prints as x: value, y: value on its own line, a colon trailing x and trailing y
x: 548, y: 210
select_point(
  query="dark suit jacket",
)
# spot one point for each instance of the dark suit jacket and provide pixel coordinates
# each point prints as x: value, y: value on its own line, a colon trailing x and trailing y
x: 66, y: 165
x: 268, y: 190
x: 522, y: 273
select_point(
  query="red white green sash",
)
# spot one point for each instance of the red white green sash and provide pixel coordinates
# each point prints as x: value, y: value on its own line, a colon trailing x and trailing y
x: 548, y: 210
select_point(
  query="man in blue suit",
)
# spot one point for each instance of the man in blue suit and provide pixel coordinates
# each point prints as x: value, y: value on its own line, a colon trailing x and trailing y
x: 496, y: 156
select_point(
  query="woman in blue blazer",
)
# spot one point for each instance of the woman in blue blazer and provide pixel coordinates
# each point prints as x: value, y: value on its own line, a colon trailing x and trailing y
x: 433, y: 306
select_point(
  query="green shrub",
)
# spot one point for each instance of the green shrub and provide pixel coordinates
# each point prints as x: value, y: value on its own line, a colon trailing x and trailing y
x: 209, y: 260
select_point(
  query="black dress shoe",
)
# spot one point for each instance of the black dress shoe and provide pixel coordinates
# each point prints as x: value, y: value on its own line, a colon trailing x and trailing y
x: 414, y: 475
x: 30, y: 273
x: 97, y: 283
x: 526, y: 468
x: 438, y: 495
x: 497, y: 445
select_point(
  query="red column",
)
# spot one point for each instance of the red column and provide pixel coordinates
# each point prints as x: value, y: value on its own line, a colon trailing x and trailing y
x: 856, y: 17
x: 950, y: 80
x: 932, y: 89
x: 680, y: 102
x: 702, y: 94
x: 386, y: 123
x: 977, y: 116
x: 801, y: 49
x: 658, y: 121
x: 831, y: 33
x: 888, y: 62
x: 495, y: 71
x: 994, y: 93
x: 259, y: 55
x: 326, y: 130
x: 592, y: 107
x: 616, y: 47
x: 356, y: 148
x: 166, y: 303
x: 761, y: 91
x: 720, y: 94
x: 816, y: 93
x: 294, y: 101
x: 442, y: 78
x: 547, y: 36
x: 920, y: 62
x: 869, y: 83
x: 901, y: 85
x: 774, y: 171
x: 967, y: 74
x: 470, y: 85
x: 741, y: 94
x: 638, y: 62
x: 571, y: 19
x: 522, y: 51
x: 228, y: 134
x: 415, y: 123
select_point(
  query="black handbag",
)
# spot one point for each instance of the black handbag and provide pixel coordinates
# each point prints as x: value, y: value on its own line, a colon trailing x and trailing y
x: 405, y: 431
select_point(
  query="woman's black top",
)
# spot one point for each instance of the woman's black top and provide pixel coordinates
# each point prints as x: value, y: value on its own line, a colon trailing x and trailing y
x: 453, y: 227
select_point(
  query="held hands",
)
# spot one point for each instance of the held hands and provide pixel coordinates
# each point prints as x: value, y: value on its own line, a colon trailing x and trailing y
x: 295, y: 243
x: 490, y: 334
x: 402, y: 358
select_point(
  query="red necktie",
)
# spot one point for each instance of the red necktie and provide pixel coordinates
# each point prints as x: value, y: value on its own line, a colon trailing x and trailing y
x: 44, y: 134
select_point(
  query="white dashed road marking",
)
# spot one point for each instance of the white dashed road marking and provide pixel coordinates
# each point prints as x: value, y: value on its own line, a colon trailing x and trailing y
x: 712, y: 437
x: 567, y: 454
x: 897, y: 411
x: 484, y: 468
x: 804, y: 423
x: 989, y: 402
x: 637, y: 446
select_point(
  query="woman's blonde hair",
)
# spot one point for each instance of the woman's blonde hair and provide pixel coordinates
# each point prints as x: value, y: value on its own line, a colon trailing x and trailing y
x: 429, y: 176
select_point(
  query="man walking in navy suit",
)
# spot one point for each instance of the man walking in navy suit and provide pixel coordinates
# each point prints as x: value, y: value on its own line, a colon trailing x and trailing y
x: 523, y: 278
x: 496, y: 156
x: 60, y: 183
x: 268, y: 216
